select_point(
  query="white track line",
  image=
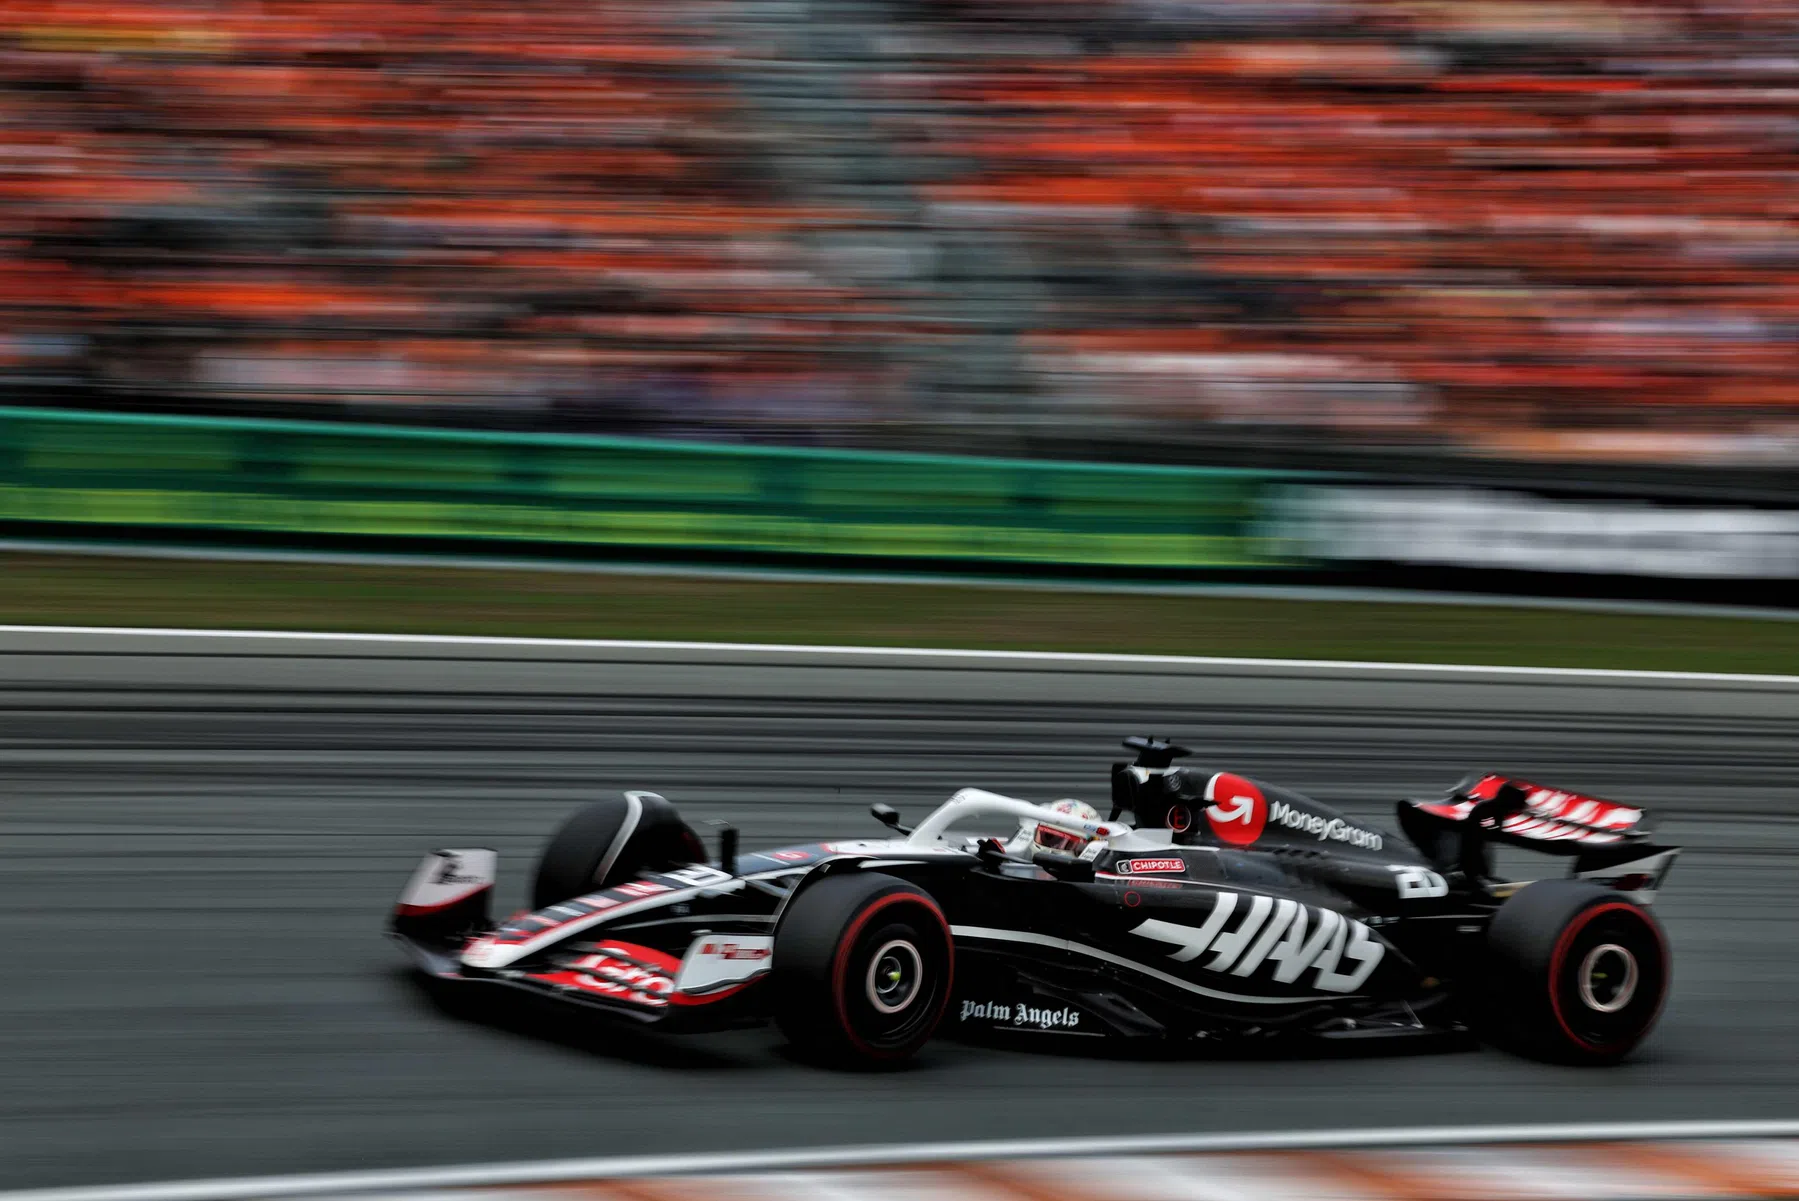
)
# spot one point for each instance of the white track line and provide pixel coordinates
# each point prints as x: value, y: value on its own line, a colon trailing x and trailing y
x: 563, y: 1170
x: 914, y: 652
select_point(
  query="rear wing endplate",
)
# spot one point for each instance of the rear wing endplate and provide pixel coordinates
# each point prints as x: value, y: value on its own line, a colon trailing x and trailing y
x: 1608, y: 841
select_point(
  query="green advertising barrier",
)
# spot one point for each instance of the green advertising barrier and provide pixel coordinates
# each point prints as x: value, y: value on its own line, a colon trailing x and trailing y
x: 173, y: 474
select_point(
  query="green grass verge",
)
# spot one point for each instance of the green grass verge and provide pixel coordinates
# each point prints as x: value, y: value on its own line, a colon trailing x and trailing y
x: 79, y: 590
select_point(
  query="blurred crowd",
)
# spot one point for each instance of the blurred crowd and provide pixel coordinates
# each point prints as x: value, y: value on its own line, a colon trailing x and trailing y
x: 1549, y: 228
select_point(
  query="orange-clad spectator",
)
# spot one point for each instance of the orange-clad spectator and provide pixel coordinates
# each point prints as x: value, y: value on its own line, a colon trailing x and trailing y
x: 1523, y: 226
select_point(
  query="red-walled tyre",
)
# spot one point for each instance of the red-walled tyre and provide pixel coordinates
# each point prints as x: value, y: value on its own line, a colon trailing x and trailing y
x: 1579, y: 973
x: 862, y: 970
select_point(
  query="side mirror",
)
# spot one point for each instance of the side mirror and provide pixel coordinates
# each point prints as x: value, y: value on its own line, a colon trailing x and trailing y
x: 727, y: 846
x: 888, y: 816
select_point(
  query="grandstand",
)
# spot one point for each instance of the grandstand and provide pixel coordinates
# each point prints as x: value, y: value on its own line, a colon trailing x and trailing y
x: 1528, y: 228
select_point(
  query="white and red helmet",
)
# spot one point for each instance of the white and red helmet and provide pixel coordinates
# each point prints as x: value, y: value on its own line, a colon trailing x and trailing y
x: 1060, y: 841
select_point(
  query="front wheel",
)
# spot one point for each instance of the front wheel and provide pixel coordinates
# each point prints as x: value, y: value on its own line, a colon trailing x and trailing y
x: 1579, y: 972
x: 862, y: 969
x: 610, y: 841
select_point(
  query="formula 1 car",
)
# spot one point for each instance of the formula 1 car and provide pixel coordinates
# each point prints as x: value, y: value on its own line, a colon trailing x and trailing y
x: 1234, y: 912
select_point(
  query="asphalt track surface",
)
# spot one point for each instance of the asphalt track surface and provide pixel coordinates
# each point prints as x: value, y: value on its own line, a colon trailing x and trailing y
x: 199, y: 840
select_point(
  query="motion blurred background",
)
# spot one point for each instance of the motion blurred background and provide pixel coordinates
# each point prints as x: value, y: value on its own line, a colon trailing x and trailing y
x: 1538, y: 228
x: 1544, y: 243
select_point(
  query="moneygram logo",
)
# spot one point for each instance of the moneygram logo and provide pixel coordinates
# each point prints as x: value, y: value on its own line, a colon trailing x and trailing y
x: 1236, y: 810
x: 1333, y: 829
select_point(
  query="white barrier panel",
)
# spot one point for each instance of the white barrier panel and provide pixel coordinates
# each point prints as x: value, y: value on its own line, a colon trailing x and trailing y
x: 1487, y: 528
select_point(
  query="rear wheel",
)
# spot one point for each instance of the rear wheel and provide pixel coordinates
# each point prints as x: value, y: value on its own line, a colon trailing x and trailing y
x: 1579, y: 972
x: 862, y: 969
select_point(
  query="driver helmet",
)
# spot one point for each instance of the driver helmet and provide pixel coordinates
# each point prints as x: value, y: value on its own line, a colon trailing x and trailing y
x: 1059, y: 841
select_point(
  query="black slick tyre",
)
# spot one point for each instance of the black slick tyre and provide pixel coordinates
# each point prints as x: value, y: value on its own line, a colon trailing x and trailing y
x: 1578, y: 972
x: 590, y: 850
x: 862, y: 970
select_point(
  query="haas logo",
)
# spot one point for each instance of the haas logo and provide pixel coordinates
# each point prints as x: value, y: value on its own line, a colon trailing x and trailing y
x: 1278, y: 937
x: 1236, y: 809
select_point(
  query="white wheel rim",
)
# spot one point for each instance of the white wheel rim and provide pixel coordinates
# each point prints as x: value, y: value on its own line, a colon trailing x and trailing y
x: 895, y: 974
x: 1596, y: 970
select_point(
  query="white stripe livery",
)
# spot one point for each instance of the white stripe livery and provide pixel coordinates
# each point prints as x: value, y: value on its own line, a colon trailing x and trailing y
x: 1258, y: 940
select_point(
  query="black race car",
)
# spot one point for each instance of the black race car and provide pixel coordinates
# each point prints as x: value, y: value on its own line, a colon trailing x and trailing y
x: 1231, y: 912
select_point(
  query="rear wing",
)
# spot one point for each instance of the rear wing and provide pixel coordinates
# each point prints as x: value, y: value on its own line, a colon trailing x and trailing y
x: 1609, y: 841
x: 1519, y: 812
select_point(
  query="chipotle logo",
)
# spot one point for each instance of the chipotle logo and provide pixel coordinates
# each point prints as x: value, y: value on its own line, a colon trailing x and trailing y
x: 1132, y: 867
